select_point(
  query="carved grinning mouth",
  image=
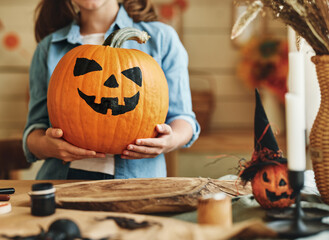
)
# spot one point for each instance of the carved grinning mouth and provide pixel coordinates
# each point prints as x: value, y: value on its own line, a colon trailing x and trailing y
x: 85, y: 65
x: 273, y: 197
x: 111, y: 103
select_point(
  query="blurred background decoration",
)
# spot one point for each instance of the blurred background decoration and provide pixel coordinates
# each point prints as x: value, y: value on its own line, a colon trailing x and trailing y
x: 264, y: 64
x: 171, y: 12
x: 257, y: 27
x: 167, y: 11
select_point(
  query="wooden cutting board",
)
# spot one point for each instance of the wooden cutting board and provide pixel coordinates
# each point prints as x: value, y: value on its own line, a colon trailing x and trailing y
x: 151, y: 195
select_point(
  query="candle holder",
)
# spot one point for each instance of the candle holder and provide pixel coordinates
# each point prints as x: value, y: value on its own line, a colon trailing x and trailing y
x: 297, y: 222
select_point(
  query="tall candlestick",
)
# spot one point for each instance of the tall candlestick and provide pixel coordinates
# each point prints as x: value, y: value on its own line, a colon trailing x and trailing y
x: 295, y: 108
x: 295, y: 132
x: 296, y: 78
x: 292, y: 39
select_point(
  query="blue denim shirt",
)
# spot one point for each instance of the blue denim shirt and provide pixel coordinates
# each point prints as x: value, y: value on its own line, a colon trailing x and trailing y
x: 164, y: 46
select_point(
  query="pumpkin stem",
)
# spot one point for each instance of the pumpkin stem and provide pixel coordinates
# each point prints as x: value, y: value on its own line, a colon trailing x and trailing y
x: 118, y: 37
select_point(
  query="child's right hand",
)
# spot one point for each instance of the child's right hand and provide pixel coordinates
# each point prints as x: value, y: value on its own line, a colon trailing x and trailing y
x: 49, y: 143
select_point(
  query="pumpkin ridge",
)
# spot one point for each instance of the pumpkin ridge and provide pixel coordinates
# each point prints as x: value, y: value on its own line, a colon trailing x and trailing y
x: 83, y: 84
x: 147, y: 106
x: 96, y: 123
x: 159, y: 99
x: 149, y: 117
x: 121, y: 60
x: 100, y: 119
x: 66, y: 104
x: 115, y: 123
x: 136, y: 127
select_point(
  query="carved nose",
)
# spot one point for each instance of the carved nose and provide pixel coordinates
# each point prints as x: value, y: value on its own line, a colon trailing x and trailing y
x: 111, y: 82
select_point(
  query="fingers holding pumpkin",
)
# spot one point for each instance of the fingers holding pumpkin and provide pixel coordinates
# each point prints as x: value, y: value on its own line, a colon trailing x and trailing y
x: 138, y: 152
x: 145, y: 148
x: 66, y: 151
x: 163, y: 129
x: 151, y: 147
x: 54, y: 132
x: 77, y: 153
x: 70, y: 153
x: 161, y: 141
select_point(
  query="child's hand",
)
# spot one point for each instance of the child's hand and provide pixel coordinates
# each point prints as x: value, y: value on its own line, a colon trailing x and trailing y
x: 50, y: 143
x: 152, y: 147
x: 66, y: 151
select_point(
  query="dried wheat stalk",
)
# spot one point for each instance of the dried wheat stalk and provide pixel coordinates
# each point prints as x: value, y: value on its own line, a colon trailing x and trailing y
x: 305, y: 18
x: 309, y: 18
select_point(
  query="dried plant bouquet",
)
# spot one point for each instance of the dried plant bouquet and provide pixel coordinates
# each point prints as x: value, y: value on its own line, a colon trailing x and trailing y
x: 309, y: 18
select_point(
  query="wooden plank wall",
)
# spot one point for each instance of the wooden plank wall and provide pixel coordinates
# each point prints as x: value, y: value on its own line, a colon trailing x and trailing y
x: 16, y: 18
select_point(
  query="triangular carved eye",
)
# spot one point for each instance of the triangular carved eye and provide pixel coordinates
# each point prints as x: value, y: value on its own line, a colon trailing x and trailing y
x: 282, y: 183
x: 134, y: 74
x: 111, y: 82
x: 85, y: 65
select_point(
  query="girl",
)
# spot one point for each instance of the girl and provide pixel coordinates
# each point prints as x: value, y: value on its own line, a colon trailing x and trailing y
x: 64, y: 24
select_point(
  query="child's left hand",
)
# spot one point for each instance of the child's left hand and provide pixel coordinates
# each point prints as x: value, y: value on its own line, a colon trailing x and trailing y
x: 151, y: 147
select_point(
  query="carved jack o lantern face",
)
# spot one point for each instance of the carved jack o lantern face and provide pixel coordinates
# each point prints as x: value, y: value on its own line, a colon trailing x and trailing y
x: 271, y: 188
x: 105, y: 98
x: 84, y: 66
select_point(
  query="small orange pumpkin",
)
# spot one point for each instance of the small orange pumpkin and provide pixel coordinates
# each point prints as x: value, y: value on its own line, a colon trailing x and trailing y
x: 105, y: 97
x: 271, y: 188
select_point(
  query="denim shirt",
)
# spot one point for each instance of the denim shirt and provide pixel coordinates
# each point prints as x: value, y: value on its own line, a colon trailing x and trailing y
x: 164, y: 46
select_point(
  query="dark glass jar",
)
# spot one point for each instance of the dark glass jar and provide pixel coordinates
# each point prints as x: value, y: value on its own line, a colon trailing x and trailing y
x: 42, y: 199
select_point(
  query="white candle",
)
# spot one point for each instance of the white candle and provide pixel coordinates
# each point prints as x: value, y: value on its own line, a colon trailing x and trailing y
x: 295, y: 112
x: 295, y: 132
x: 296, y: 77
x: 292, y: 39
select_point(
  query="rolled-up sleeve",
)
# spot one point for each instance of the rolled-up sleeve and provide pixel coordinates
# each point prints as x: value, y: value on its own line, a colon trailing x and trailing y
x: 38, y: 115
x: 175, y: 67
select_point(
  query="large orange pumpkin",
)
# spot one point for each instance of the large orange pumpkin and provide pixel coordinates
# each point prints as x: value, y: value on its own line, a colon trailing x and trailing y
x: 271, y: 188
x: 105, y: 97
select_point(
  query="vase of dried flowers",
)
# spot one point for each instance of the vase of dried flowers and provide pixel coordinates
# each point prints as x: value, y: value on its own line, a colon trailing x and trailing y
x: 310, y: 20
x: 319, y: 136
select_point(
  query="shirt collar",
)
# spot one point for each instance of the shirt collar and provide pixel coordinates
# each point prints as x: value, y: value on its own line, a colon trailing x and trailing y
x: 71, y: 33
x: 123, y: 19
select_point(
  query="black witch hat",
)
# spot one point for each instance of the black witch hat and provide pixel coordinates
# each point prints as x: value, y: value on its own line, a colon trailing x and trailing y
x: 266, y: 150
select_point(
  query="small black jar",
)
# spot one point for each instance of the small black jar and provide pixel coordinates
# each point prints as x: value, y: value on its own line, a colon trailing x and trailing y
x: 42, y: 199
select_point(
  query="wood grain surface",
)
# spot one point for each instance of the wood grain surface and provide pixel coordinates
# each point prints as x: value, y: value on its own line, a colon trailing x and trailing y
x: 142, y: 195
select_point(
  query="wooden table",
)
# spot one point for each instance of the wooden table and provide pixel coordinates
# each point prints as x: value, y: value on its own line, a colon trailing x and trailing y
x: 20, y: 222
x: 22, y: 187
